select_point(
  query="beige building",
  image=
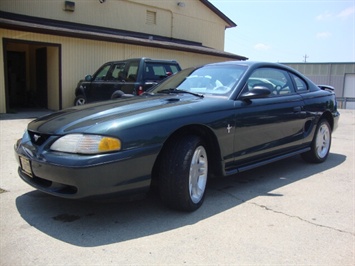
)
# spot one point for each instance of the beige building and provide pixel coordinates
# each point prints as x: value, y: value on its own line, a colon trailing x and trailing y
x: 47, y: 46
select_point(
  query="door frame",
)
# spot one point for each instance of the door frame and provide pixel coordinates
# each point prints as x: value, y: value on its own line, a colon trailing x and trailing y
x: 14, y: 45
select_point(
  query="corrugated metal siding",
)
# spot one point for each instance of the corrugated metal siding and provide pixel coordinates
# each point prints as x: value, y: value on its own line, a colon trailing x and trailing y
x: 338, y: 83
x: 198, y: 23
x: 209, y: 33
x: 319, y: 79
x: 53, y: 80
x: 332, y: 74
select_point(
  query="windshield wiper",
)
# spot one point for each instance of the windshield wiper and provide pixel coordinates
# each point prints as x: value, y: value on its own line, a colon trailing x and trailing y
x: 174, y: 90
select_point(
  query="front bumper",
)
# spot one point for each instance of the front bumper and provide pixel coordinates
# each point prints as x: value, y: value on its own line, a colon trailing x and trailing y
x: 78, y: 176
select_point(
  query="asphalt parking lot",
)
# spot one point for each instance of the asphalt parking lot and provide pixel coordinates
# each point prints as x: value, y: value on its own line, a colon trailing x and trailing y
x: 285, y: 213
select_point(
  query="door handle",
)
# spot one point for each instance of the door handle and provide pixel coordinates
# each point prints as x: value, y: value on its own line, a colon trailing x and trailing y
x: 297, y: 109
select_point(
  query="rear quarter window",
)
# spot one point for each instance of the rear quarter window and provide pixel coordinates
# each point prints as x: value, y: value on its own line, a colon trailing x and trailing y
x: 158, y: 71
x: 174, y: 69
x: 301, y: 85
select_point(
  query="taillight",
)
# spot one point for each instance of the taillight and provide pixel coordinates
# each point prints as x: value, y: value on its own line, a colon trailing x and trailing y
x: 140, y: 90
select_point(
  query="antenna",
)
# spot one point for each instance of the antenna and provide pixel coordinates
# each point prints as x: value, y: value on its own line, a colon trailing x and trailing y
x: 305, y: 58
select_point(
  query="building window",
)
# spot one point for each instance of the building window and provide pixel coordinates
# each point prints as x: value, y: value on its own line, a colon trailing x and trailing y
x: 151, y: 18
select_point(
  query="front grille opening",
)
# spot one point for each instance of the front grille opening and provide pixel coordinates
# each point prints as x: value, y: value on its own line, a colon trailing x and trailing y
x: 38, y: 138
x: 54, y: 186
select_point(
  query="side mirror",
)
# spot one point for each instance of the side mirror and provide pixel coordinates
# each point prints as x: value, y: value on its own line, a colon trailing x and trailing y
x: 88, y: 78
x: 255, y: 93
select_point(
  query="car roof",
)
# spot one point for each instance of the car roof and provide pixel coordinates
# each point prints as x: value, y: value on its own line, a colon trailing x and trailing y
x: 249, y: 63
x: 257, y: 64
x: 146, y: 59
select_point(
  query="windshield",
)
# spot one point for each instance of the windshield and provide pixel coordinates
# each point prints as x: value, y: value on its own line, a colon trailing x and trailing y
x: 214, y: 80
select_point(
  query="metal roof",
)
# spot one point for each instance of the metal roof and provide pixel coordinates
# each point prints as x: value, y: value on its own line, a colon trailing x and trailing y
x: 219, y: 13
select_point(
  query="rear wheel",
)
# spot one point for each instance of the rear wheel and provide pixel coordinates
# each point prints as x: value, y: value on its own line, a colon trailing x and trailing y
x: 321, y: 143
x: 183, y: 174
x: 117, y: 94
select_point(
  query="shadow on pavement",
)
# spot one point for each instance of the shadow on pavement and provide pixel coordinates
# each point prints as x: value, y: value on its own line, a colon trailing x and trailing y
x: 90, y: 224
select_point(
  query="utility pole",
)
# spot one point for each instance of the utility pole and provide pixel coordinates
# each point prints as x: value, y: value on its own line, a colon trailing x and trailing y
x: 305, y: 58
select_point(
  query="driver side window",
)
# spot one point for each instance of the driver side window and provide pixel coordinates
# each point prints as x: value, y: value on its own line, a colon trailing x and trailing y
x: 101, y: 74
x: 276, y: 80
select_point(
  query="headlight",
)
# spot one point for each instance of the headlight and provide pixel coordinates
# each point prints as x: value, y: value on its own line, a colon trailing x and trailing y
x: 86, y: 144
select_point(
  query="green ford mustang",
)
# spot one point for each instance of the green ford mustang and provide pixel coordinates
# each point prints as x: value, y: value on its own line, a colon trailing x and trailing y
x: 203, y: 122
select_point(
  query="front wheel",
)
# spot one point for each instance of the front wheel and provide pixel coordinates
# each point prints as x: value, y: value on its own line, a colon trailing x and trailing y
x: 320, y: 144
x: 79, y: 100
x: 183, y: 173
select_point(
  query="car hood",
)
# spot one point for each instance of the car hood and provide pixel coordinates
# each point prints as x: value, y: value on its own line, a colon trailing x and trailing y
x: 94, y: 118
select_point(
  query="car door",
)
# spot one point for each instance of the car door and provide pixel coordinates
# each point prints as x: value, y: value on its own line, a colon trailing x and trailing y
x: 268, y: 126
x: 96, y: 90
x: 130, y: 77
x: 106, y: 81
x: 115, y: 80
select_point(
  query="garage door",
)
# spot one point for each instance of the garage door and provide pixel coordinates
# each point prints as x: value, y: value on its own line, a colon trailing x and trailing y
x: 349, y: 90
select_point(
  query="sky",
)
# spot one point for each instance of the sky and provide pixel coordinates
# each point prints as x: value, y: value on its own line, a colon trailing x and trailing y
x: 291, y: 31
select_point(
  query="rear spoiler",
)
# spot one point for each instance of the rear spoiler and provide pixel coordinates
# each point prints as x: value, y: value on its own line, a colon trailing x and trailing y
x: 326, y: 87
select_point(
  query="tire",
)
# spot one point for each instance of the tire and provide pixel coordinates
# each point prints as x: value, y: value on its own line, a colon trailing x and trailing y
x: 321, y: 143
x: 183, y: 172
x: 79, y: 100
x: 117, y: 94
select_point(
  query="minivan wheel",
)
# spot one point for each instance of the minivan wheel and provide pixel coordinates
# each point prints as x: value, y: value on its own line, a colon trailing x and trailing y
x: 79, y: 100
x: 183, y: 174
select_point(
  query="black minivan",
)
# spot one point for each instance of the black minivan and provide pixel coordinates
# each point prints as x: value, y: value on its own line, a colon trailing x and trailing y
x: 131, y: 76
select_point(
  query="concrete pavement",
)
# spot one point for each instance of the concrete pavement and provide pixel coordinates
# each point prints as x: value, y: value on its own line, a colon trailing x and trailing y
x: 285, y: 213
